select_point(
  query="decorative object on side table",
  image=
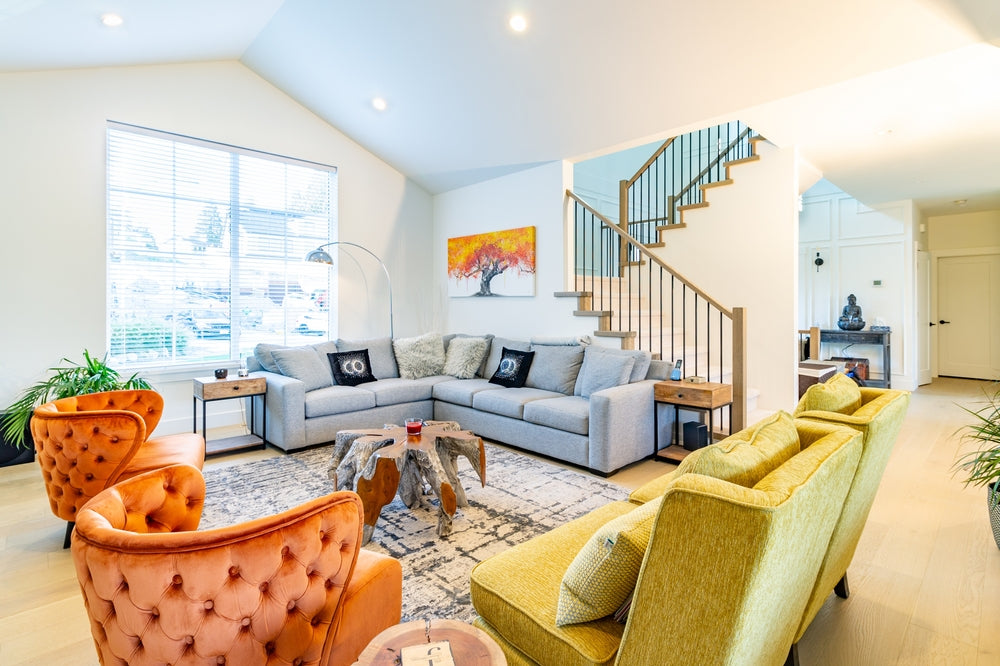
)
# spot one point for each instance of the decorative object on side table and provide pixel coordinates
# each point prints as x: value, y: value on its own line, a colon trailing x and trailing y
x: 467, y: 645
x: 982, y: 464
x: 92, y: 376
x: 850, y: 318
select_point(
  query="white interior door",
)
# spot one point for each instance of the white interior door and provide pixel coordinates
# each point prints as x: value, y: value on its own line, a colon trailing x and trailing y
x: 968, y: 322
x: 924, y: 322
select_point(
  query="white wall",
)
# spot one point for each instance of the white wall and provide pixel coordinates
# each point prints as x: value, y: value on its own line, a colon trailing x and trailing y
x: 742, y: 250
x: 528, y: 198
x: 860, y: 246
x: 52, y: 206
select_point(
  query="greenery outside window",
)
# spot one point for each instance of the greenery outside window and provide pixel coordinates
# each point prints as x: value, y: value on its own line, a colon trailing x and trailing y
x: 205, y: 246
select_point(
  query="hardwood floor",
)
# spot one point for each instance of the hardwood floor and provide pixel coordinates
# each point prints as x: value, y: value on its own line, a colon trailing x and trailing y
x: 925, y: 581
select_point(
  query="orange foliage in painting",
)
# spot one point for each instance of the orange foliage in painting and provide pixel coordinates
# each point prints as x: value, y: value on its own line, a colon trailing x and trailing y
x: 485, y: 256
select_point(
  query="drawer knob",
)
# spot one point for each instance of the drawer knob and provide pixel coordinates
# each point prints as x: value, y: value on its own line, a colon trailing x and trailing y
x: 236, y: 388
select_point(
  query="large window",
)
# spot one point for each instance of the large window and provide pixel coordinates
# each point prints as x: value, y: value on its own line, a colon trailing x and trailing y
x: 205, y: 249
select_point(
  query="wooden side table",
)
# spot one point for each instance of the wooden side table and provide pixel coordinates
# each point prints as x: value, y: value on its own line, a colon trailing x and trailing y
x: 210, y: 389
x: 704, y: 397
x: 470, y: 646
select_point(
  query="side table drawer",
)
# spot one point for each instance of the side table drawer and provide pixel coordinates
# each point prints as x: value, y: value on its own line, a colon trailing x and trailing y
x: 214, y: 389
x: 706, y: 395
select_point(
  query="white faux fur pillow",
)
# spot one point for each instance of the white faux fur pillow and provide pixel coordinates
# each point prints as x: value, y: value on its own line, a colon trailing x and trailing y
x: 464, y: 357
x: 418, y: 357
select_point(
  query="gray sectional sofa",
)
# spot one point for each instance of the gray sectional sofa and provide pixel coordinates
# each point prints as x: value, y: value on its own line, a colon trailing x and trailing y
x: 584, y: 404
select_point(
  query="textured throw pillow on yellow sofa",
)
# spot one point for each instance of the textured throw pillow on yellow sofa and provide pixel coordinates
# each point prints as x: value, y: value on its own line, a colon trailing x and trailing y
x: 604, y: 572
x: 838, y: 394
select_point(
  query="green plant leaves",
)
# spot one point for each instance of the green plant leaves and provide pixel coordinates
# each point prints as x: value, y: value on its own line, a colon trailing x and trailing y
x: 92, y: 376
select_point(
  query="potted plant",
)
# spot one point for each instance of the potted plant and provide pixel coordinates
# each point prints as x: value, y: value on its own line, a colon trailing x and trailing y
x: 92, y: 376
x: 982, y: 464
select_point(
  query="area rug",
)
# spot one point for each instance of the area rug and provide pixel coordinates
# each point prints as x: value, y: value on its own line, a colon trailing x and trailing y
x: 523, y: 497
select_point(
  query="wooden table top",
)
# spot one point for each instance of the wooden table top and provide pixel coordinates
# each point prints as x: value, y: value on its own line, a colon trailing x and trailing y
x: 470, y: 646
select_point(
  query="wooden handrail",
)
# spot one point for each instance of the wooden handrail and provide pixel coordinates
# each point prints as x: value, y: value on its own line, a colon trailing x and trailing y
x: 711, y: 165
x: 626, y: 238
x: 659, y: 151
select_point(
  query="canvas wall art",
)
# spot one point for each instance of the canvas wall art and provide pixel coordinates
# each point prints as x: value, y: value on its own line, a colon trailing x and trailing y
x: 497, y: 263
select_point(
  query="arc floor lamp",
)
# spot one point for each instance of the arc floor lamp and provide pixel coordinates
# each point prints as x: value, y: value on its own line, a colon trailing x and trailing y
x: 321, y: 256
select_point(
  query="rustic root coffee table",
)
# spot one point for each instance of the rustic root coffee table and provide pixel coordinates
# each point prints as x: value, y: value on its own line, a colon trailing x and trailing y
x: 378, y: 463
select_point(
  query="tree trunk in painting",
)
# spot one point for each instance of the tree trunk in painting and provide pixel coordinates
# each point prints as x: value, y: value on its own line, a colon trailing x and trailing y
x: 487, y: 275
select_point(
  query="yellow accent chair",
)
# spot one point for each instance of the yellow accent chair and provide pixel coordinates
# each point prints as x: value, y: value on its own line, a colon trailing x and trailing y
x: 292, y: 588
x: 878, y: 415
x: 734, y: 548
x: 90, y: 442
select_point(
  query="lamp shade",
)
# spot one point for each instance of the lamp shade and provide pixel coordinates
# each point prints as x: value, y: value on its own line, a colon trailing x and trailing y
x: 320, y: 256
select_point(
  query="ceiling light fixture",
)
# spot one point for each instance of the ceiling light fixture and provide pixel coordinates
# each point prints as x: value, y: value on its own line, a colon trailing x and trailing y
x: 518, y: 23
x: 379, y: 104
x: 960, y: 202
x: 111, y: 20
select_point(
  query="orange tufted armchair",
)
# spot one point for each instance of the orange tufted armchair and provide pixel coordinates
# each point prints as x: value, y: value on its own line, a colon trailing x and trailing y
x: 293, y: 588
x: 87, y: 443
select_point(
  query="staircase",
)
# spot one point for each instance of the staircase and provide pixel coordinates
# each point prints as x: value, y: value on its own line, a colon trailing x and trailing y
x: 637, y: 299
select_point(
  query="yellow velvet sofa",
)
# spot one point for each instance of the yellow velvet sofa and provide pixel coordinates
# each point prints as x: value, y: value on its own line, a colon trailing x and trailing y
x: 722, y: 560
x: 878, y: 415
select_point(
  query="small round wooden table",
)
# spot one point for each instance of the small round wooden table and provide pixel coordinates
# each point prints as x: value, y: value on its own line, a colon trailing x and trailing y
x: 470, y: 646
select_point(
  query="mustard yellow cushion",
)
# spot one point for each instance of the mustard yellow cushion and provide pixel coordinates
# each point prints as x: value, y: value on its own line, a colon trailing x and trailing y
x: 838, y: 394
x: 748, y: 456
x: 604, y: 572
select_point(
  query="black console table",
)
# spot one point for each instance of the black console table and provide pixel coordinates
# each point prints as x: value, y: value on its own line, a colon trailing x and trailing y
x: 877, y: 338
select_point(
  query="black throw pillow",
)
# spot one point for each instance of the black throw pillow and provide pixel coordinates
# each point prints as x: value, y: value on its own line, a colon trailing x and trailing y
x: 351, y: 368
x: 513, y: 368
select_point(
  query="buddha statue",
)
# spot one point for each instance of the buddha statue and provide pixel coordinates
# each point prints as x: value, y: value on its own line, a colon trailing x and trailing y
x: 850, y: 319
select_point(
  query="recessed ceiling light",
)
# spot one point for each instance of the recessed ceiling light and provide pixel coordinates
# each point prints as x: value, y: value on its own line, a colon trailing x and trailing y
x: 379, y: 103
x: 884, y: 132
x: 960, y: 202
x: 518, y: 23
x: 111, y: 20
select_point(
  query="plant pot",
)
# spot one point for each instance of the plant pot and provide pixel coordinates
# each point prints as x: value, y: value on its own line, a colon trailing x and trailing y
x: 993, y: 504
x: 15, y: 455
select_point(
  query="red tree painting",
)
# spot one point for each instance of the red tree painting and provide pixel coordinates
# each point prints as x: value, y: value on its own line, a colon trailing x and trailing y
x: 482, y: 257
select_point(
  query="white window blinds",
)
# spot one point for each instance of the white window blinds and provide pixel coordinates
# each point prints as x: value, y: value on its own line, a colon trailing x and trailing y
x: 206, y: 245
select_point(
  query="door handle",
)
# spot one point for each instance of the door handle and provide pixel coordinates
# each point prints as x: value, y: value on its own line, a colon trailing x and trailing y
x: 933, y: 324
x: 942, y: 321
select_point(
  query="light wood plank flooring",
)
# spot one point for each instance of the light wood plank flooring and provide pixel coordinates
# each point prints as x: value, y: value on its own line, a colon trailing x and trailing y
x: 925, y: 582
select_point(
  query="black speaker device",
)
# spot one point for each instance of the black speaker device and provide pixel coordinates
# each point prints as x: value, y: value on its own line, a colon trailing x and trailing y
x: 695, y: 435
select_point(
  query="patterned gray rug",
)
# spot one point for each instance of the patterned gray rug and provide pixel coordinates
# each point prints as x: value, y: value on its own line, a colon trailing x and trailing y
x: 523, y: 497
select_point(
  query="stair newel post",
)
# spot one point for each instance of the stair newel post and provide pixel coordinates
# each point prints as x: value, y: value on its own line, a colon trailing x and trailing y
x: 738, y: 413
x: 623, y: 225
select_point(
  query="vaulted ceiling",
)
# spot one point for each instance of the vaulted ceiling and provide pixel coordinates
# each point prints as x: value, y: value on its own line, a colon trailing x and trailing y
x: 894, y: 99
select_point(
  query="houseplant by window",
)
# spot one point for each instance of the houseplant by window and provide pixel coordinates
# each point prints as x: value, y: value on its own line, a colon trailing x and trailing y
x: 91, y: 376
x: 981, y: 465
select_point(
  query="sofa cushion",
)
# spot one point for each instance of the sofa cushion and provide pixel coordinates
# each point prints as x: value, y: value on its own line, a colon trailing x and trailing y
x: 838, y: 394
x: 421, y: 356
x: 509, y: 402
x: 383, y: 361
x: 570, y: 413
x: 304, y: 364
x: 601, y: 370
x: 749, y: 455
x: 396, y: 391
x: 461, y: 391
x: 522, y: 607
x: 642, y: 360
x: 351, y: 368
x: 464, y: 356
x: 497, y: 345
x: 604, y: 572
x: 555, y: 367
x: 513, y: 368
x: 262, y: 352
x: 338, y: 400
